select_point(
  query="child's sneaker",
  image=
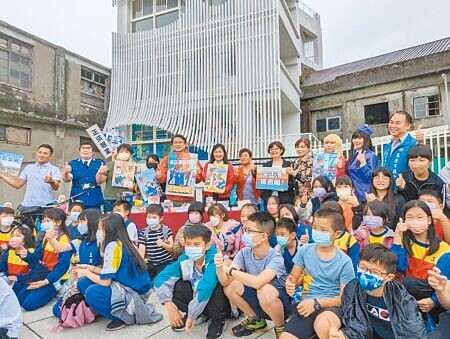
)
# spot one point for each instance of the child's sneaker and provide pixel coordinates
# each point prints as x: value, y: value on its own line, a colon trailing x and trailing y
x: 200, y: 320
x: 216, y: 329
x: 278, y: 330
x: 248, y: 326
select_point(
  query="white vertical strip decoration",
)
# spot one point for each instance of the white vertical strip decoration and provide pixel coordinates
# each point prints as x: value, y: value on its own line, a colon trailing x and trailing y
x: 213, y: 75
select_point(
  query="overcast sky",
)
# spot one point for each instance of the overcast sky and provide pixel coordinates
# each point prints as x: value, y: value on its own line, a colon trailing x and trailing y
x: 352, y: 29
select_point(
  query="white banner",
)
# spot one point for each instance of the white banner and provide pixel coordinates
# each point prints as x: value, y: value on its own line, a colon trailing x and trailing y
x: 99, y: 140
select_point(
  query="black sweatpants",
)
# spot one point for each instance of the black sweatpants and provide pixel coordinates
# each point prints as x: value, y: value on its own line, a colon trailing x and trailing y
x: 153, y: 270
x: 218, y: 307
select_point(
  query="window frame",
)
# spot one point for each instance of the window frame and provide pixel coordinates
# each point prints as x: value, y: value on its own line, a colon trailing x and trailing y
x: 327, y: 124
x: 153, y: 15
x: 23, y: 68
x: 427, y: 107
x: 92, y: 82
x: 25, y: 129
x: 154, y: 141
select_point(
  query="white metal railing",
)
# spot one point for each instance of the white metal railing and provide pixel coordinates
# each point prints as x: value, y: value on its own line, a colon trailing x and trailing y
x: 438, y: 138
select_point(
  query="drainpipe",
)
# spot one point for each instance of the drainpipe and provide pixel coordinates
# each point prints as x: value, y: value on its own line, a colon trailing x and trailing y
x: 444, y: 76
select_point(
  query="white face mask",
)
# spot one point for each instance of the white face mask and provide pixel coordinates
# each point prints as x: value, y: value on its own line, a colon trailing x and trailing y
x: 123, y: 156
x: 215, y: 221
x: 7, y: 221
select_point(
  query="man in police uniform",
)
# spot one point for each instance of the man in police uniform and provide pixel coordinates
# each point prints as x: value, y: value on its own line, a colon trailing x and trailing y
x: 82, y: 173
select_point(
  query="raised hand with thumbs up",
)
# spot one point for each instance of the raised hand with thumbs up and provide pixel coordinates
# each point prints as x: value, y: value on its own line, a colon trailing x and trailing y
x: 399, y: 230
x: 420, y: 135
x: 67, y: 168
x: 400, y: 182
x: 361, y: 157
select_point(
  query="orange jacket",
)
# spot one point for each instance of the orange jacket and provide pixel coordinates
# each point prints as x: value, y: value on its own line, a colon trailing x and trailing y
x: 239, y: 180
x: 229, y: 185
x: 163, y: 169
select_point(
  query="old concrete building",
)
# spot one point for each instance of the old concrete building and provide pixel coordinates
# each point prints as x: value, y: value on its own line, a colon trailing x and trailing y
x: 339, y: 99
x: 47, y: 95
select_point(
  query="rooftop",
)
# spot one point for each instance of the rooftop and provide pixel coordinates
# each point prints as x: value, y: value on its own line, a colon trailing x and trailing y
x: 329, y: 74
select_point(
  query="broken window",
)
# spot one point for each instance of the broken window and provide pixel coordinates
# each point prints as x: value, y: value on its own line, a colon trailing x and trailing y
x: 93, y: 86
x: 426, y: 106
x: 376, y: 113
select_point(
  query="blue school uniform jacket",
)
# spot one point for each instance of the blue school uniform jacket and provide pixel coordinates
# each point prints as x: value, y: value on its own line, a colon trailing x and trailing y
x: 82, y: 177
x: 362, y: 175
x: 397, y: 162
x: 203, y: 288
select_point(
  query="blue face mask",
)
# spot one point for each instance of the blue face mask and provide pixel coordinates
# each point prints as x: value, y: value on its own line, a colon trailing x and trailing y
x: 45, y: 226
x: 152, y: 222
x: 322, y: 239
x: 82, y: 228
x: 282, y: 241
x: 247, y: 240
x: 194, y: 253
x: 319, y: 192
x: 368, y: 281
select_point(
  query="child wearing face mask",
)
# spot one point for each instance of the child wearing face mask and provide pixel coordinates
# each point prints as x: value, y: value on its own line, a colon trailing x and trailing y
x: 347, y: 199
x: 273, y: 207
x: 155, y: 241
x: 105, y: 175
x: 254, y: 281
x: 303, y: 230
x: 220, y: 225
x: 287, y: 242
x: 324, y: 271
x: 190, y: 285
x: 373, y: 229
x: 12, y: 264
x: 39, y: 293
x: 6, y: 220
x: 74, y: 212
x: 441, y: 223
x: 85, y: 248
x: 419, y: 251
x: 322, y: 191
x: 195, y: 217
x: 373, y: 304
x: 122, y: 207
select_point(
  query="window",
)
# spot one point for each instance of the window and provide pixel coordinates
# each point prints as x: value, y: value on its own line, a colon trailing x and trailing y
x: 15, y: 63
x: 376, y: 113
x: 328, y: 124
x: 148, y: 139
x: 93, y: 86
x: 426, y: 106
x: 150, y: 14
x: 15, y: 135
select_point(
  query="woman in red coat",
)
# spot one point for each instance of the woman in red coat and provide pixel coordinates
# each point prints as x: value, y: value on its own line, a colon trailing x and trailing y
x: 216, y: 181
x: 245, y: 178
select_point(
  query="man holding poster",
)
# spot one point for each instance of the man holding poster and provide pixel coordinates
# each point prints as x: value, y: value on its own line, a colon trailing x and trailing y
x: 180, y: 171
x: 41, y: 178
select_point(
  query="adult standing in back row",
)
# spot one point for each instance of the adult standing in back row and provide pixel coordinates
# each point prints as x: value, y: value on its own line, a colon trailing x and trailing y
x: 395, y: 156
x: 180, y: 147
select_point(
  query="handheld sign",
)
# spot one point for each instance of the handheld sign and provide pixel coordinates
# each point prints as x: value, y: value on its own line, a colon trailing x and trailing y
x: 272, y: 178
x: 99, y: 140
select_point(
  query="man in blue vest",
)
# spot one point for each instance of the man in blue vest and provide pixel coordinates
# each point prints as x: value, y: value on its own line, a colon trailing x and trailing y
x: 82, y: 173
x: 395, y: 152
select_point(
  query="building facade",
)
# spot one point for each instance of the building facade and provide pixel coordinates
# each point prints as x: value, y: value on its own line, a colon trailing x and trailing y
x: 47, y: 95
x: 339, y: 99
x: 216, y: 71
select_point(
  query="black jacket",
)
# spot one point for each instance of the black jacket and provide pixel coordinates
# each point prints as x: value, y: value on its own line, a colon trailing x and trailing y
x: 286, y: 197
x: 406, y: 320
x: 412, y: 187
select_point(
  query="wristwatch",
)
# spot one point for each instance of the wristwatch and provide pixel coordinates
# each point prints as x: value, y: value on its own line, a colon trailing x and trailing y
x: 317, y: 306
x: 231, y: 270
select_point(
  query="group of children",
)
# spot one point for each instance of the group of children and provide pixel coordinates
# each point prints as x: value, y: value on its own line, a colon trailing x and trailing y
x: 331, y: 266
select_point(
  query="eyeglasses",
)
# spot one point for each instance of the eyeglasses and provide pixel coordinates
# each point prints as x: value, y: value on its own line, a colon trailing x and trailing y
x: 374, y: 272
x: 246, y: 230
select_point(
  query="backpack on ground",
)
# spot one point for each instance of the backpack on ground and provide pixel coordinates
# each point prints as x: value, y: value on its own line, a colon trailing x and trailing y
x: 75, y: 313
